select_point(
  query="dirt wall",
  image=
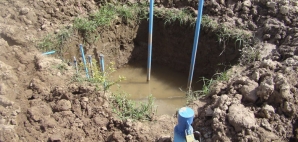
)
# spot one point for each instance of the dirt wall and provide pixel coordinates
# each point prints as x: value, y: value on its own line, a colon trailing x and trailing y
x: 173, y: 45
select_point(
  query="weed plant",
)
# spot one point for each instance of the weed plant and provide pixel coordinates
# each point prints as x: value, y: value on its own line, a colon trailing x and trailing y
x: 195, y: 95
x: 55, y: 41
x: 249, y: 54
x: 123, y: 107
x: 47, y: 43
x: 207, y: 85
x: 126, y: 108
x: 96, y: 76
x: 62, y: 67
x: 222, y: 76
x: 224, y: 33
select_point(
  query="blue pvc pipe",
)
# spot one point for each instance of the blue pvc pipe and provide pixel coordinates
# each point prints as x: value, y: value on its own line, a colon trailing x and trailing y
x: 84, y: 60
x: 195, y: 45
x: 150, y: 39
x: 183, y: 128
x: 90, y: 64
x: 90, y: 59
x: 102, y: 65
x: 48, y: 53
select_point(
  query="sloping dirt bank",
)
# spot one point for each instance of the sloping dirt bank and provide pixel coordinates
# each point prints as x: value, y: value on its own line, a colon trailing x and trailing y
x: 38, y: 102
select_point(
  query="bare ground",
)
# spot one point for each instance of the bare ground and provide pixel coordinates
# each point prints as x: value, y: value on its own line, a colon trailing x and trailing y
x: 39, y: 102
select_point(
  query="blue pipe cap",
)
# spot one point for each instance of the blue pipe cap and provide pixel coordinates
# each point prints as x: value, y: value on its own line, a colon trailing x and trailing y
x: 185, y: 118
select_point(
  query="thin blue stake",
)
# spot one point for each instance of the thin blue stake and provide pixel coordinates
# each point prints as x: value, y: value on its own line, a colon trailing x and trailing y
x: 48, y: 53
x: 84, y: 60
x: 102, y: 66
x: 195, y: 45
x: 150, y: 39
x: 90, y: 64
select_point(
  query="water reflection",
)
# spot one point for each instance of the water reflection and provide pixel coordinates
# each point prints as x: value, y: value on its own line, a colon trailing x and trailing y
x: 164, y: 86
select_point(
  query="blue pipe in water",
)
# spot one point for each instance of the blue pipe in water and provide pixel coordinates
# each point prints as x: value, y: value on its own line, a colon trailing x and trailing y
x: 195, y: 45
x: 150, y: 39
x: 84, y: 60
x: 184, y: 128
x: 48, y: 53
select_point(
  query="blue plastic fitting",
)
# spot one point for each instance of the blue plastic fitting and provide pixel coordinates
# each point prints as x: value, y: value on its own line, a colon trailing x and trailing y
x: 183, y: 128
x: 48, y: 53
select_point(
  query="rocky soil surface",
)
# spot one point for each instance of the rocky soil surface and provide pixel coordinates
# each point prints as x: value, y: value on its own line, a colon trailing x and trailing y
x: 39, y: 101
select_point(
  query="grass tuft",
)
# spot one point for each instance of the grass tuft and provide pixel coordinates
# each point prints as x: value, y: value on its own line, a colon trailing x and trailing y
x: 249, y: 54
x: 126, y: 108
x: 191, y: 95
x: 55, y: 41
x: 183, y: 16
x: 96, y: 76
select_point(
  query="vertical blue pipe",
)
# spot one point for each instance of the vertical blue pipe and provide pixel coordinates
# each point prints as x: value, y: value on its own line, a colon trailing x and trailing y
x: 90, y: 64
x: 150, y: 39
x: 84, y: 60
x: 102, y: 65
x: 90, y: 59
x: 195, y: 45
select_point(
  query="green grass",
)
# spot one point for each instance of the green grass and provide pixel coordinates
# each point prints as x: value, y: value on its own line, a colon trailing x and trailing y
x: 207, y: 85
x: 249, y: 54
x: 47, y: 43
x: 126, y: 108
x: 55, y: 41
x: 103, y: 17
x: 123, y: 107
x: 225, y: 33
x: 96, y: 76
x: 107, y: 14
x: 183, y: 16
x: 222, y: 76
x: 84, y: 25
x: 191, y: 95
x: 61, y: 67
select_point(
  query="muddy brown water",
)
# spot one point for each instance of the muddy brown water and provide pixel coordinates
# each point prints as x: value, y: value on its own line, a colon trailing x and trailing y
x: 165, y: 86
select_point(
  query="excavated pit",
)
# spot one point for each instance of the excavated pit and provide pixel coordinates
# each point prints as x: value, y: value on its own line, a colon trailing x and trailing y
x: 126, y: 44
x: 173, y: 44
x: 171, y: 56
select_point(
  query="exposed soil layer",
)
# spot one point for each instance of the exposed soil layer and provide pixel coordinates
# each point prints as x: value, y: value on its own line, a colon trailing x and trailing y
x: 173, y: 45
x: 39, y: 102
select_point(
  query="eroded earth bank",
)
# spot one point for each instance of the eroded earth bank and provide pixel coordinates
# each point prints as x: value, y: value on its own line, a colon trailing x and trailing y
x: 252, y: 42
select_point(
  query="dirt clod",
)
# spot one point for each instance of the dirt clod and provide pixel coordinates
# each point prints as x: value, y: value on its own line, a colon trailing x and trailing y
x: 40, y: 101
x: 240, y: 117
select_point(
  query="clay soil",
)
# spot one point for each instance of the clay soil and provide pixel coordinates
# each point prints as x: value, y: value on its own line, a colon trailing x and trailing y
x: 39, y: 101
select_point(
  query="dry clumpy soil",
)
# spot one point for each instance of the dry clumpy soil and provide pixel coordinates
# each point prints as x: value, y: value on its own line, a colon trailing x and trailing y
x: 39, y: 101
